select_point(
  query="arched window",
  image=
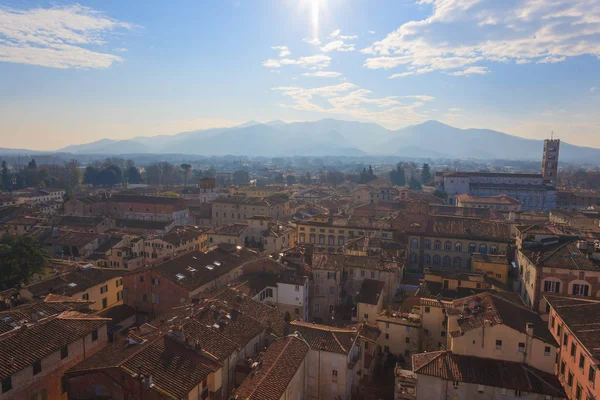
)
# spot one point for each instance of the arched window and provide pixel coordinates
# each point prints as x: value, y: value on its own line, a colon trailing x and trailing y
x: 482, y: 248
x: 414, y: 244
x: 436, y: 260
x: 427, y: 259
x: 447, y: 261
x: 302, y: 237
x: 579, y: 288
x: 331, y: 240
x: 472, y: 248
x: 313, y: 238
x: 413, y: 258
x: 321, y: 239
x: 448, y: 246
x: 551, y: 285
x: 428, y: 244
x: 457, y: 261
x: 341, y: 241
x: 493, y: 250
x: 437, y: 245
x: 458, y: 247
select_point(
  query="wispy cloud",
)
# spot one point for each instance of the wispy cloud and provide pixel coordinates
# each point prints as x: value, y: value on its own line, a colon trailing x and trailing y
x: 489, y: 31
x: 350, y: 100
x: 335, y: 33
x: 57, y: 37
x: 593, y: 90
x: 338, y: 45
x: 314, y: 41
x: 317, y: 61
x: 283, y: 50
x: 371, y: 32
x: 323, y: 74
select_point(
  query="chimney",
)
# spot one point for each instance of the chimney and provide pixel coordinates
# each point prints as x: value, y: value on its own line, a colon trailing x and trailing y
x: 529, y: 329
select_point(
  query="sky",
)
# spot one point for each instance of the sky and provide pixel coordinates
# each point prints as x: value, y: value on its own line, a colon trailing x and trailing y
x: 78, y: 72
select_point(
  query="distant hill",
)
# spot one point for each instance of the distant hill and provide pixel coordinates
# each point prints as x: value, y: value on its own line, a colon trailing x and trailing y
x: 340, y: 138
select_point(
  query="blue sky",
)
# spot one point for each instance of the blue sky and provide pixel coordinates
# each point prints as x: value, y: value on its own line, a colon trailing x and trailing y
x: 79, y: 72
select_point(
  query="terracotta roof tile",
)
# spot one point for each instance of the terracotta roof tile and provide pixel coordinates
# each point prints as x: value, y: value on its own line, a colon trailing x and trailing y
x: 484, y: 371
x: 276, y: 369
x: 326, y: 338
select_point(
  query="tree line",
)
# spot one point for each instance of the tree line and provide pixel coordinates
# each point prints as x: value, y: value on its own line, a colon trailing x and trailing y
x: 66, y: 176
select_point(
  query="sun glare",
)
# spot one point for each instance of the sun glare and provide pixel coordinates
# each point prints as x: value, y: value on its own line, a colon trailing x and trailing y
x: 315, y: 17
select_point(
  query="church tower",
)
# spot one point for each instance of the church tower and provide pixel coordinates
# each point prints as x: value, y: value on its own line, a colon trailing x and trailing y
x: 550, y: 160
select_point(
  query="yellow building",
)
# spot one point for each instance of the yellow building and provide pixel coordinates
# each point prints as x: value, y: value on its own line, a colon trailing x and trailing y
x: 264, y: 191
x: 400, y: 333
x: 493, y: 266
x: 102, y: 286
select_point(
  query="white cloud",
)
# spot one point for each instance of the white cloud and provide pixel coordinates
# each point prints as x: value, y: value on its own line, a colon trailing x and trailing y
x: 55, y: 37
x: 471, y: 71
x: 314, y: 42
x: 283, y: 50
x: 351, y: 37
x: 317, y: 61
x: 401, y: 75
x: 323, y: 74
x: 372, y: 32
x: 455, y: 110
x: 350, y: 100
x: 121, y: 49
x: 335, y: 33
x: 462, y: 34
x: 337, y: 45
x: 593, y: 90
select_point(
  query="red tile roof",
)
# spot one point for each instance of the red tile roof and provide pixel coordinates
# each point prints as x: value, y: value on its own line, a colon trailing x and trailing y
x: 19, y: 348
x: 326, y: 338
x: 275, y: 370
x: 484, y: 371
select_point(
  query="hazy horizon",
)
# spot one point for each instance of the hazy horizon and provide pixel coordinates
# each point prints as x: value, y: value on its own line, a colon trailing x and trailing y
x: 78, y: 72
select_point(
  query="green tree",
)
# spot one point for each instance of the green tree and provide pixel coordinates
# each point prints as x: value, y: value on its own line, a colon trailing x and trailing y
x: 185, y: 168
x: 397, y: 176
x: 414, y: 184
x: 133, y: 175
x: 290, y: 179
x: 20, y: 258
x: 72, y: 182
x: 425, y: 173
x: 278, y: 178
x: 90, y: 175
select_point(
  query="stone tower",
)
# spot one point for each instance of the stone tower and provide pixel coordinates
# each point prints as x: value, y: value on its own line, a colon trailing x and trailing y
x: 550, y: 160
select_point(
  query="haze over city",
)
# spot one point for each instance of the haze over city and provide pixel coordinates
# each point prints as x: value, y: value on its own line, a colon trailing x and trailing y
x: 75, y: 73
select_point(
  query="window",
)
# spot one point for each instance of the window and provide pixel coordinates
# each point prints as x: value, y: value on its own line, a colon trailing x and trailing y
x: 521, y: 348
x: 483, y: 249
x: 103, y: 289
x: 297, y: 288
x: 94, y: 335
x: 414, y: 243
x: 37, y: 367
x: 407, y: 340
x: 592, y: 375
x: 581, y: 361
x: 458, y: 247
x: 547, y: 351
x: 578, y: 392
x: 472, y: 247
x: 443, y: 333
x: 493, y: 250
x: 427, y: 310
x: 436, y: 260
x: 447, y: 246
x: 64, y: 384
x: 437, y: 245
x: 387, y: 335
x: 119, y: 282
x: 447, y: 261
x: 104, y: 302
x: 366, y: 316
x: 64, y: 352
x: 457, y: 261
x: 372, y: 274
x: 573, y: 349
x: 141, y: 278
x: 455, y: 384
x: 334, y: 375
x: 498, y: 344
x: 581, y: 289
x: 297, y: 311
x: 332, y: 290
x: 362, y: 274
x: 86, y: 296
x: 570, y: 380
x: 562, y: 367
x: 6, y: 384
x: 565, y: 339
x: 317, y: 308
x: 119, y: 295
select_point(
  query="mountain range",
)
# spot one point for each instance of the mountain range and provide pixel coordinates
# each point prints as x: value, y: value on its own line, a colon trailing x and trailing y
x: 334, y: 137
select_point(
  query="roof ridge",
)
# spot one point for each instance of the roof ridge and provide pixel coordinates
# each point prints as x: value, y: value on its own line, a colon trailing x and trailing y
x: 530, y: 371
x: 440, y: 353
x: 338, y: 342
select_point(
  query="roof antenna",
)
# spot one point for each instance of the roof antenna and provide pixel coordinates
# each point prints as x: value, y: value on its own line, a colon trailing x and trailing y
x: 552, y: 135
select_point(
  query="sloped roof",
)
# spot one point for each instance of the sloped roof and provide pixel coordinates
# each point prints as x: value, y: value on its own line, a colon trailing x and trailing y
x: 560, y: 255
x: 277, y: 368
x: 326, y: 338
x: 488, y: 372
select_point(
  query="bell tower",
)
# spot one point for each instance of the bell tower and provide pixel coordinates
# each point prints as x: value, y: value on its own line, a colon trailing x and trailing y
x: 550, y: 160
